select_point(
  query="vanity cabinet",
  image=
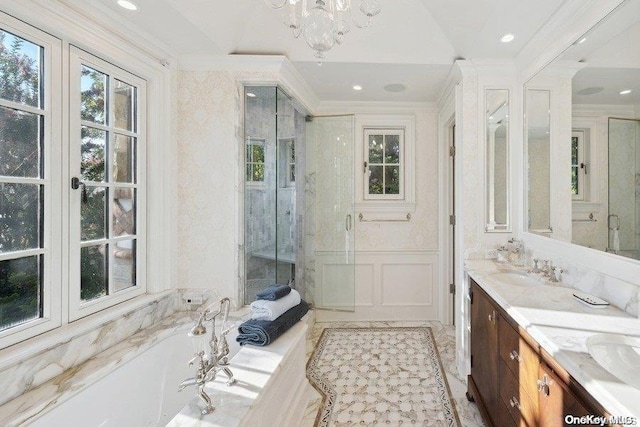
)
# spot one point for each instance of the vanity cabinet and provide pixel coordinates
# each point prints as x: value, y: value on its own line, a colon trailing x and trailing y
x: 513, y: 381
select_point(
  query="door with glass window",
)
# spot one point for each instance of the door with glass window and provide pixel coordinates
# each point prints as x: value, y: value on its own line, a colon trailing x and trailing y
x: 106, y: 188
x: 332, y: 141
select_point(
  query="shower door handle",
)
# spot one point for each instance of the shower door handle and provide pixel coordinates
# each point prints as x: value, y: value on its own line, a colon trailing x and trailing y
x: 348, y: 222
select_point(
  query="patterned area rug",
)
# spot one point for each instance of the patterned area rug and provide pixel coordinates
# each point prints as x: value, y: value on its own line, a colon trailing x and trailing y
x: 380, y: 376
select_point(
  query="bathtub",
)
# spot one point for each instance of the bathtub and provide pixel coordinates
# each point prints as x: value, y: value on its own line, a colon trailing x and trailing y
x: 135, y: 384
x: 141, y: 392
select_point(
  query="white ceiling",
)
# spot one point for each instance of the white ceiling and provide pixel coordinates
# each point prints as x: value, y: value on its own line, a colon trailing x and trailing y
x: 412, y: 42
x: 611, y: 57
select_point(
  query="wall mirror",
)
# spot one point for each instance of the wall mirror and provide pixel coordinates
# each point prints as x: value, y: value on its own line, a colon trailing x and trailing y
x: 594, y: 160
x: 497, y: 160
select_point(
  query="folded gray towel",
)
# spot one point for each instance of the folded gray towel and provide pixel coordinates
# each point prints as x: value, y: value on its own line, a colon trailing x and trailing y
x: 264, y: 332
x: 273, y: 292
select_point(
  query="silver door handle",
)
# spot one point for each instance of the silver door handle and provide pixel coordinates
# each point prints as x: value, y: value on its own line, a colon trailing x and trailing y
x: 348, y: 222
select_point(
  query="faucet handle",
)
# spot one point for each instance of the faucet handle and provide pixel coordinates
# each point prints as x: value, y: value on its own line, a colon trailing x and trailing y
x: 199, y: 357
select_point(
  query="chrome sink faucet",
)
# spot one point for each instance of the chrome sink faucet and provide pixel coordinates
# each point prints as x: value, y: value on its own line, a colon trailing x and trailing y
x: 208, y: 365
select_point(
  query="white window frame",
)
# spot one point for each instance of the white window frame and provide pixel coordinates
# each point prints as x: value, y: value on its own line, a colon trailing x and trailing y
x: 259, y: 142
x: 386, y: 208
x: 384, y: 132
x: 77, y: 307
x: 52, y: 152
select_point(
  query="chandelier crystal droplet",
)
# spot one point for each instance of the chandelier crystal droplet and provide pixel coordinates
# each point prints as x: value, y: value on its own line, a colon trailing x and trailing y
x: 325, y: 23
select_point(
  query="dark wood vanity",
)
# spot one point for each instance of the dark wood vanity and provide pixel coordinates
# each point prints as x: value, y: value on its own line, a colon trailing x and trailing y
x: 513, y: 380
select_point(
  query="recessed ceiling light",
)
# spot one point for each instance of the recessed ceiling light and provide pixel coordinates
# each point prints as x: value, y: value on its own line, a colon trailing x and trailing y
x: 582, y: 40
x: 395, y: 87
x: 625, y: 92
x: 251, y: 94
x: 126, y: 4
x: 357, y: 87
x: 507, y: 38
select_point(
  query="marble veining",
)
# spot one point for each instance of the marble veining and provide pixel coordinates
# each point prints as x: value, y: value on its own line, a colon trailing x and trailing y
x: 561, y: 325
x: 32, y: 378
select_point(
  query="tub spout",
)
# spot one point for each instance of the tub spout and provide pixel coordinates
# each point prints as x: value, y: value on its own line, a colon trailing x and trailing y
x: 186, y: 383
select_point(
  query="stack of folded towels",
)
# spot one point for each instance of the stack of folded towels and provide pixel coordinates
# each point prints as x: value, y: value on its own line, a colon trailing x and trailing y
x: 277, y: 309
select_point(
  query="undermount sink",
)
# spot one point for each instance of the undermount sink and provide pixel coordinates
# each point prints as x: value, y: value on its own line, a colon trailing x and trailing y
x: 515, y: 278
x: 618, y: 354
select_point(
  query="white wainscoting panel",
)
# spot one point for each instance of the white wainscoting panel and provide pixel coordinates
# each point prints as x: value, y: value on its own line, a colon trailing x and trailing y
x: 398, y: 285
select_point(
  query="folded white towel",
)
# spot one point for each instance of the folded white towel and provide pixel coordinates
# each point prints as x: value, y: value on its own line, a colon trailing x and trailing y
x: 271, y: 310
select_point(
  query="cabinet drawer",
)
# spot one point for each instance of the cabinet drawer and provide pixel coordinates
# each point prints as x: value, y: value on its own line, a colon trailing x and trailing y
x: 522, y: 408
x: 522, y: 360
x: 556, y: 400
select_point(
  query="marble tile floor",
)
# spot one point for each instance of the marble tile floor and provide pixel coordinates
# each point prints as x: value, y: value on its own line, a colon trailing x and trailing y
x: 445, y: 342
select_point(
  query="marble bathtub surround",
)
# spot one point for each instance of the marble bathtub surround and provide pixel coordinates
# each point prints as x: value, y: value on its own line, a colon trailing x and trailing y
x: 57, y: 356
x: 444, y: 337
x: 381, y: 376
x: 561, y: 325
x: 271, y: 378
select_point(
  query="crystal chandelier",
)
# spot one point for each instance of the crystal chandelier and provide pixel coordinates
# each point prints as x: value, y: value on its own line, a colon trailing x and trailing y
x: 324, y: 23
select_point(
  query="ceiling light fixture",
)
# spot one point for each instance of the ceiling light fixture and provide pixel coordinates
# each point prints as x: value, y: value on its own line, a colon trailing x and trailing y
x: 507, y: 38
x: 251, y: 94
x: 582, y: 40
x: 324, y: 23
x: 625, y: 92
x: 126, y: 4
x: 357, y: 87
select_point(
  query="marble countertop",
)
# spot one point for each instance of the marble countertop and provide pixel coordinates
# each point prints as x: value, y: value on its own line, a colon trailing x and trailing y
x: 561, y: 325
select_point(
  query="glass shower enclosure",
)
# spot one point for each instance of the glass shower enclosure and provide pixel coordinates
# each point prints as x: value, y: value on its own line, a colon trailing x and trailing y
x: 274, y: 135
x: 623, y: 221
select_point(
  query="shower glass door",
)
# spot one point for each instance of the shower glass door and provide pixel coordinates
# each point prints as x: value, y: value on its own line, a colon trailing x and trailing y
x: 623, y: 220
x: 332, y: 144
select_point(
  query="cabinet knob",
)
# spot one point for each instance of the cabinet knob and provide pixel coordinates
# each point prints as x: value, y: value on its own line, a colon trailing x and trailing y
x: 513, y: 355
x: 543, y: 385
x: 514, y: 403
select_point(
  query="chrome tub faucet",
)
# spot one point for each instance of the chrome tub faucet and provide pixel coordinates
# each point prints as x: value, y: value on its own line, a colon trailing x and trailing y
x: 209, y: 365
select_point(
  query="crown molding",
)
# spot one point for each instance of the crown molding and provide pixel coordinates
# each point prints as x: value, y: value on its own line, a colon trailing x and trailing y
x: 568, y: 24
x: 74, y: 19
x: 285, y: 74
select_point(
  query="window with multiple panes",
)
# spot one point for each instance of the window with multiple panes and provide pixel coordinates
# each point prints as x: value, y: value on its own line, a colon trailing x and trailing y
x: 255, y: 160
x: 24, y: 122
x: 578, y: 165
x: 384, y: 152
x: 106, y: 155
x: 93, y: 233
